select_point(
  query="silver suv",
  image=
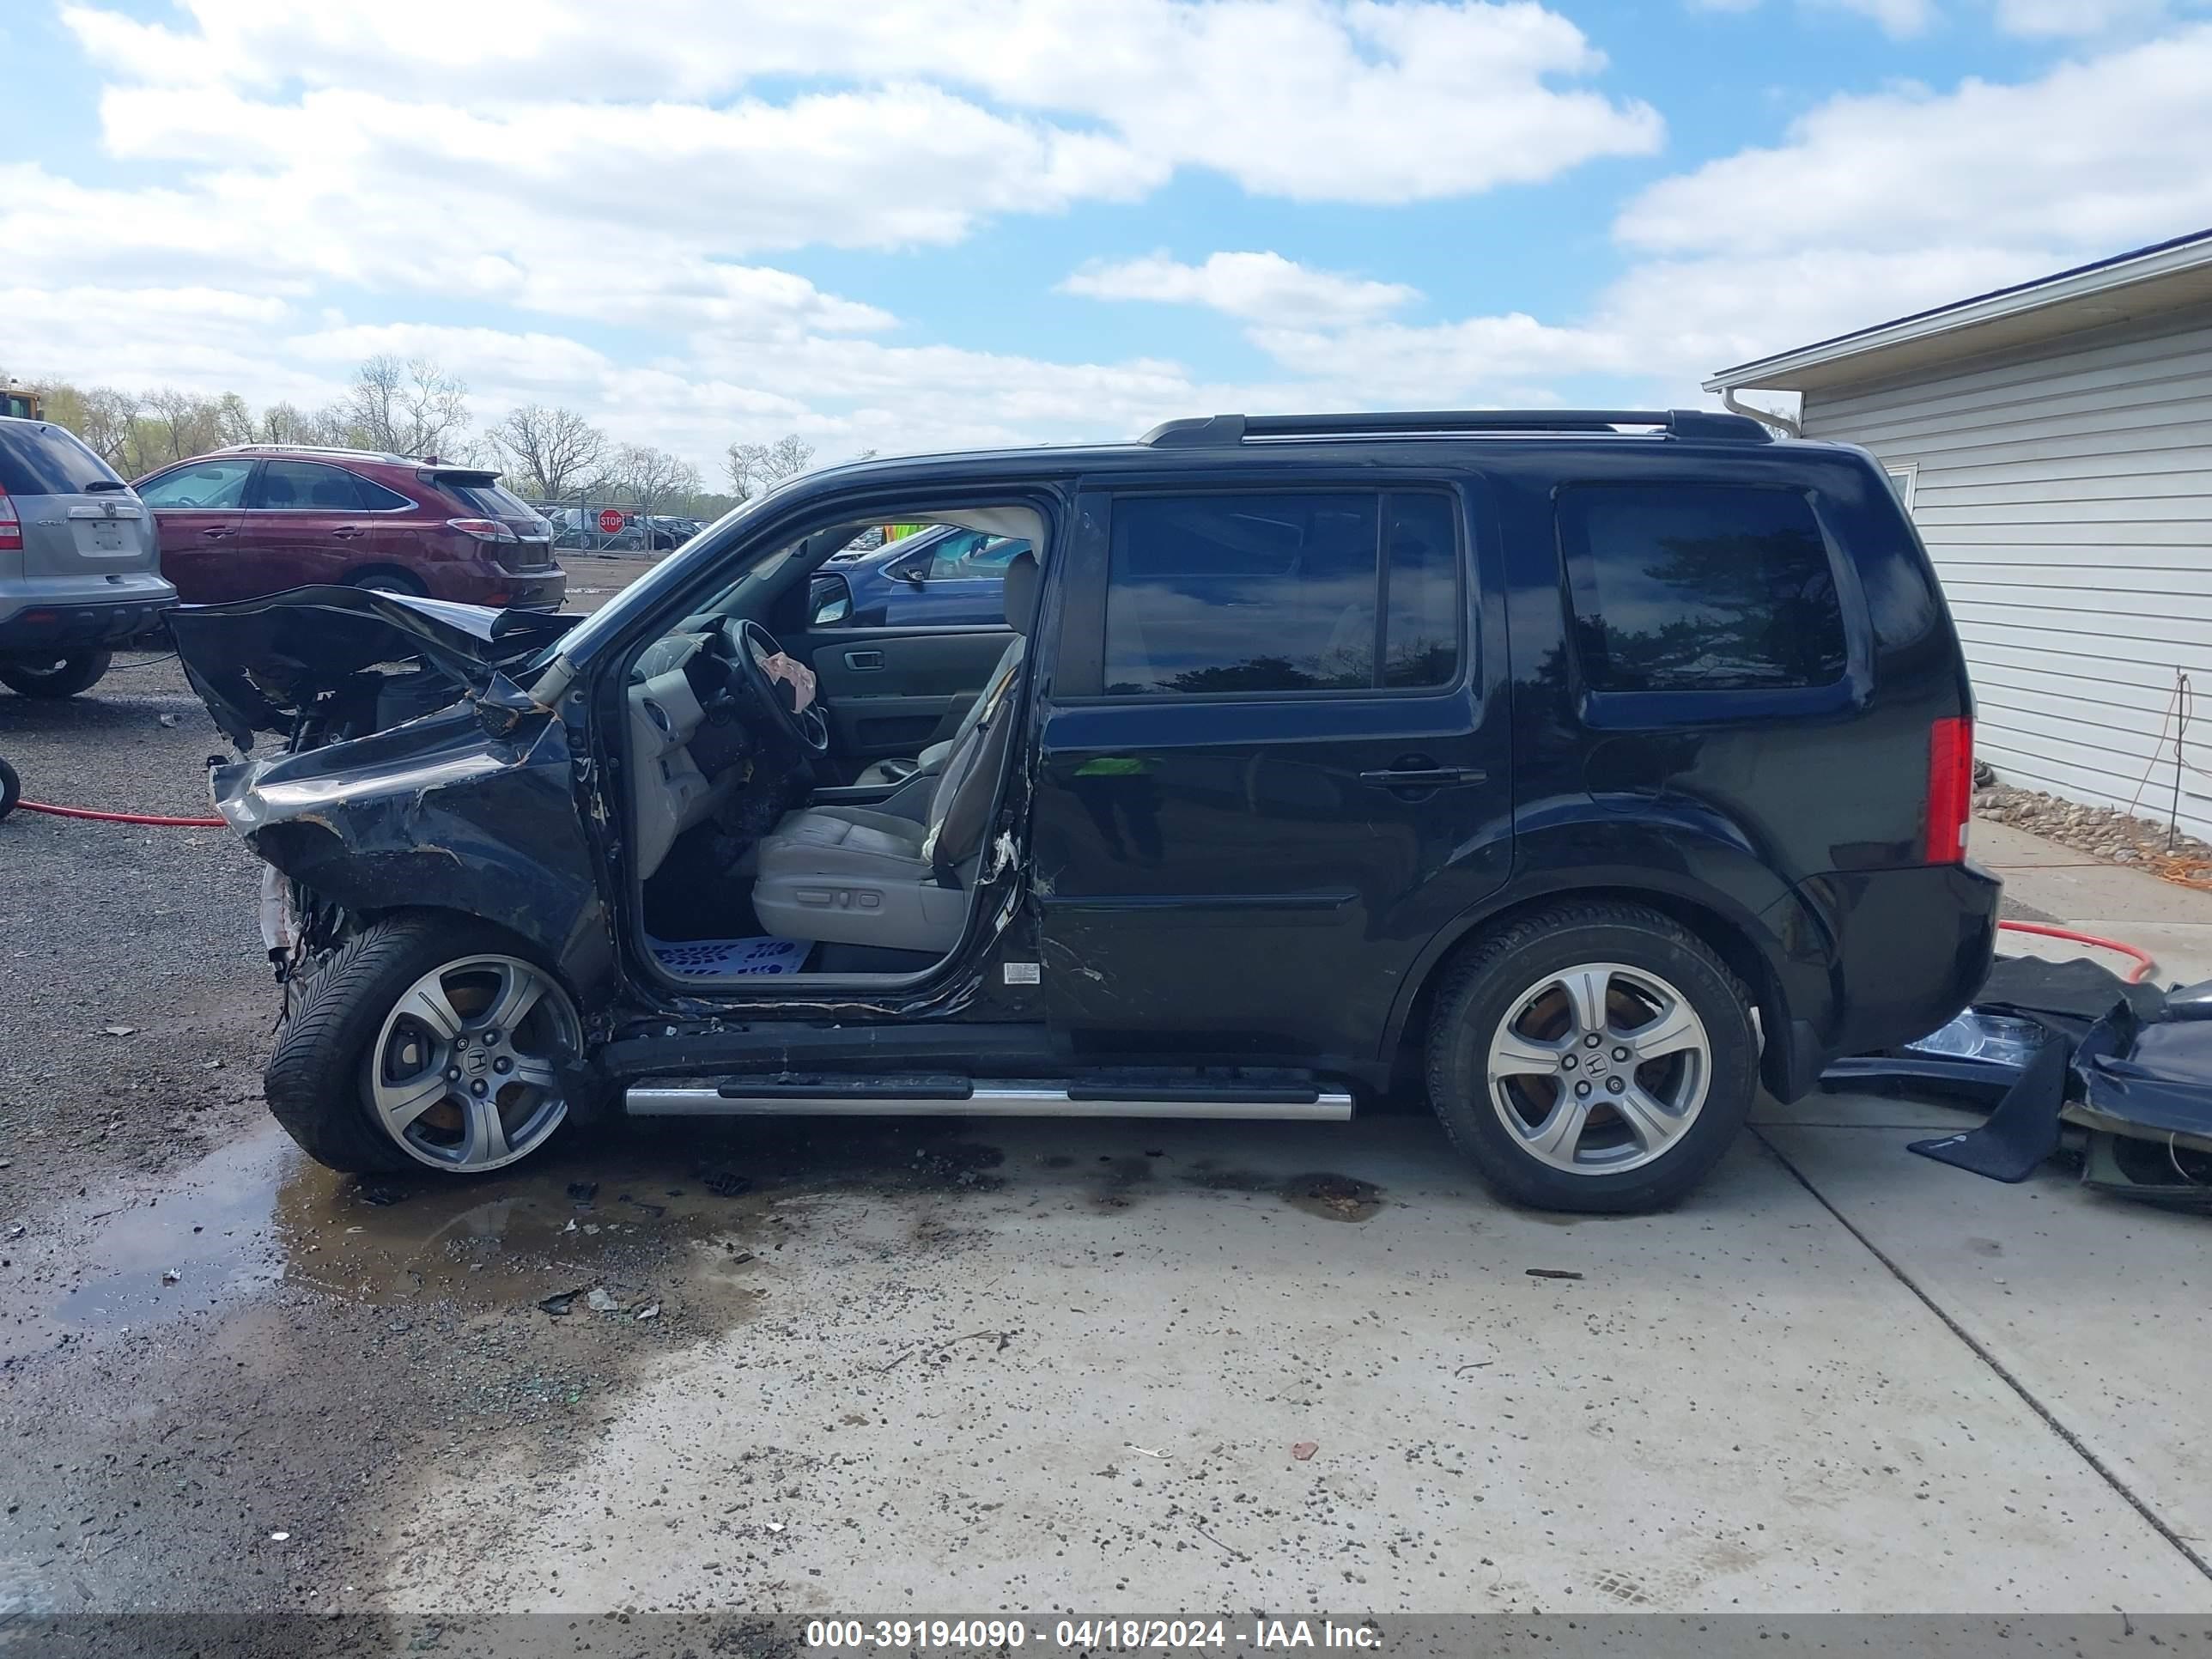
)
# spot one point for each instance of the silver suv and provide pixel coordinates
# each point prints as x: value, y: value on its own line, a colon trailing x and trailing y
x: 80, y: 568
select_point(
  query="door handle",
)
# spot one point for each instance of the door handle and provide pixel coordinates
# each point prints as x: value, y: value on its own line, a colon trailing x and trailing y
x: 346, y: 532
x: 863, y: 661
x: 214, y: 535
x: 1424, y: 777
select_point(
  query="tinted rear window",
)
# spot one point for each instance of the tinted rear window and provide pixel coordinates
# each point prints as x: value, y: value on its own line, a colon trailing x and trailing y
x: 491, y: 501
x: 40, y: 458
x: 1697, y: 587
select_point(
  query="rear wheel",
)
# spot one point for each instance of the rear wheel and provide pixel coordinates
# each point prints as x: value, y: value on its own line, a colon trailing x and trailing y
x: 1596, y: 1057
x: 388, y: 581
x: 57, y: 676
x: 11, y: 789
x: 426, y: 1042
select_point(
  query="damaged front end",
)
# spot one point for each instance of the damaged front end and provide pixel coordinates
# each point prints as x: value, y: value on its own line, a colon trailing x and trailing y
x: 415, y: 771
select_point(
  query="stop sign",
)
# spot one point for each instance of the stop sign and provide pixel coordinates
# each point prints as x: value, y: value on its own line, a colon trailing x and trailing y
x: 610, y: 522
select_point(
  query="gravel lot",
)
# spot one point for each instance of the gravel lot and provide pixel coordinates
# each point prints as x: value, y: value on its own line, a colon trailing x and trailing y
x: 839, y: 1366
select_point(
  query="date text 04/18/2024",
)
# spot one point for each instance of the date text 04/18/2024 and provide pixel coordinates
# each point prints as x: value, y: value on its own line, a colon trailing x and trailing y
x: 1125, y: 1635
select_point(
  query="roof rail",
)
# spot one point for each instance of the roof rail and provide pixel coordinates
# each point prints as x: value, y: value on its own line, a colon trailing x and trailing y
x: 1215, y: 431
x: 319, y: 449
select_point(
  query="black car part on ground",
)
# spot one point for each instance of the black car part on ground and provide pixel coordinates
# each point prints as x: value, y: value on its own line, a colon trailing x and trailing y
x: 2071, y: 1043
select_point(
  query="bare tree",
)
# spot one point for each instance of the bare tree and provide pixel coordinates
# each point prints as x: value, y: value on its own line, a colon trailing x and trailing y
x: 183, y: 422
x: 106, y: 421
x: 556, y: 451
x: 653, y: 475
x: 411, y: 408
x: 756, y: 467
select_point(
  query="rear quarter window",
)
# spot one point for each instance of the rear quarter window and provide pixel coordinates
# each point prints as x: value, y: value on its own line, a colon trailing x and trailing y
x: 1700, y: 587
x: 40, y: 458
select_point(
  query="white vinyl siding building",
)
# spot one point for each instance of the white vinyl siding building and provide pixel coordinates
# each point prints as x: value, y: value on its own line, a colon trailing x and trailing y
x: 2054, y: 446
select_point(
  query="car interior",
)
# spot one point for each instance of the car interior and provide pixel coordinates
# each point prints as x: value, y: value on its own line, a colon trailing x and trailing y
x: 768, y: 843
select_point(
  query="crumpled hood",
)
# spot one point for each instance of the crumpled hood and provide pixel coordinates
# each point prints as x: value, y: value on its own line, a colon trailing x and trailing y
x: 257, y: 663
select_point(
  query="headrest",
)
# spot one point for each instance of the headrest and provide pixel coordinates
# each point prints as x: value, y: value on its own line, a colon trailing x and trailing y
x: 1021, y: 598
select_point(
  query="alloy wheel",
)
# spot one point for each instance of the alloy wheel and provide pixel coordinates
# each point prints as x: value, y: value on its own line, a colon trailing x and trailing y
x: 1599, y: 1068
x: 464, y: 1073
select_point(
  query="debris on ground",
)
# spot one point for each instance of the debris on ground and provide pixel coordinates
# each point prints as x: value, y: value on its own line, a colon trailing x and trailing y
x: 561, y: 1301
x: 727, y: 1183
x: 1146, y: 1450
x: 600, y: 1302
x: 1551, y: 1272
x: 278, y: 1537
x: 583, y: 1191
x: 170, y: 1275
x: 650, y: 1310
x: 380, y: 1196
x: 2103, y: 832
x: 121, y: 1030
x: 168, y: 722
x: 1304, y: 1449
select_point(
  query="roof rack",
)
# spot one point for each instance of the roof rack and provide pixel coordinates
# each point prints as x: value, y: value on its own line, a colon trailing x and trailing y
x: 1217, y: 431
x: 321, y: 449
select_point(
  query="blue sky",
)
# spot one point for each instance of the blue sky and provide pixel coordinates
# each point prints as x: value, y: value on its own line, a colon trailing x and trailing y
x: 949, y: 221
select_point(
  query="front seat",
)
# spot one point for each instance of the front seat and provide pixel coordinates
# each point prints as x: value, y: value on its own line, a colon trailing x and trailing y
x: 1020, y: 601
x: 849, y: 876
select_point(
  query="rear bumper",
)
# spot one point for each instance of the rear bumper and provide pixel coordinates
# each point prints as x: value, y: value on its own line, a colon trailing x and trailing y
x: 75, y: 615
x: 502, y: 589
x: 1876, y: 958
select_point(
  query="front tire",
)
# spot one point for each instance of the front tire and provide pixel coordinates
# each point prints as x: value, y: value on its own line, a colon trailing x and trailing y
x: 426, y: 1043
x: 1595, y: 1057
x: 55, y: 676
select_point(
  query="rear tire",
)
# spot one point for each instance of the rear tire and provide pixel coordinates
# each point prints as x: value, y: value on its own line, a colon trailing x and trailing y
x: 11, y: 789
x: 1619, y: 1129
x: 388, y: 581
x: 334, y: 1049
x: 56, y: 677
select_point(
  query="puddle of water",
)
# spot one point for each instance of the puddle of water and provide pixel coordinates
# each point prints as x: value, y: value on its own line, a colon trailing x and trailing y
x: 617, y: 1208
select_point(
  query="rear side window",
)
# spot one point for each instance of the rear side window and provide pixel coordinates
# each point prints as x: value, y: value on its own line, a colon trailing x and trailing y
x: 1699, y: 587
x: 1281, y: 592
x: 38, y: 458
x: 375, y: 498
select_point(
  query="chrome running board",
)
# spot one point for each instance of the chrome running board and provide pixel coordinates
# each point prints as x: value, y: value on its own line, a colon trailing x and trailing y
x: 1018, y: 1099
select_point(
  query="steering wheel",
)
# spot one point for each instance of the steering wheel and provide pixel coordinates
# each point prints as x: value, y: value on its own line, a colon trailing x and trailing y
x: 749, y: 645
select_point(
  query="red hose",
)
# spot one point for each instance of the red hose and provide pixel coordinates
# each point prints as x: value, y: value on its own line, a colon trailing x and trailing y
x: 121, y: 817
x: 2142, y: 958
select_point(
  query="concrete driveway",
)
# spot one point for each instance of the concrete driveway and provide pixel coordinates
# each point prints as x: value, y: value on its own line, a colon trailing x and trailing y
x: 929, y: 1366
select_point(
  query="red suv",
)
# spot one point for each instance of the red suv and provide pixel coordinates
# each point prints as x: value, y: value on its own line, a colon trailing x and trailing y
x: 260, y: 518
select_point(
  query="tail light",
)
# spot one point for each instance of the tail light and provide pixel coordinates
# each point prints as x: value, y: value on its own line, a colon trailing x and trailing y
x: 485, y: 529
x: 11, y: 527
x: 1950, y: 787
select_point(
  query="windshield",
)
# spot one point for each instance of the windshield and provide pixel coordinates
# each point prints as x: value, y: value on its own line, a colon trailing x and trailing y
x: 664, y: 578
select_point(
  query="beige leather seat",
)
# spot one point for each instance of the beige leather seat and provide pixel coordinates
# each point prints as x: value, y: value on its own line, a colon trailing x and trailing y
x: 853, y: 876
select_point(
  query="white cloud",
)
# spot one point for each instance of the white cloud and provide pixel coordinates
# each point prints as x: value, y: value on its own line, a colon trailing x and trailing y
x: 2045, y: 18
x: 1315, y: 99
x: 1872, y: 207
x: 1899, y: 19
x: 1263, y: 288
x: 559, y: 170
x: 2045, y: 164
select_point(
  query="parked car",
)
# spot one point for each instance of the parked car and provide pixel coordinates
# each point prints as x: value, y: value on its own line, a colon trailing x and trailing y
x: 79, y: 571
x: 1584, y: 769
x: 937, y: 577
x: 259, y: 519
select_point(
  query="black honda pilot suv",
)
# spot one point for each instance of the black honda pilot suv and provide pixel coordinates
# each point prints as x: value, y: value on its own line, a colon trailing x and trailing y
x: 1585, y: 770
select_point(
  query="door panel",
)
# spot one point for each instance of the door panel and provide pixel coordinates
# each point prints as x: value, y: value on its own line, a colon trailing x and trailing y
x: 891, y: 691
x: 197, y: 510
x: 1255, y: 873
